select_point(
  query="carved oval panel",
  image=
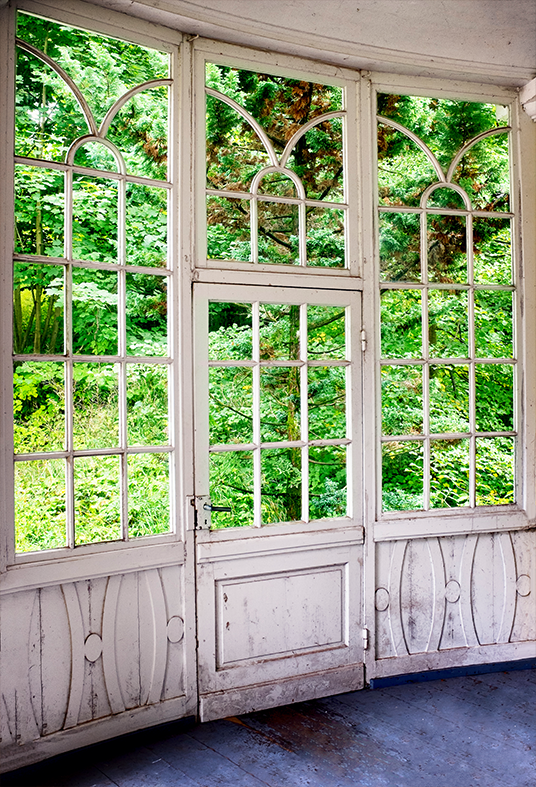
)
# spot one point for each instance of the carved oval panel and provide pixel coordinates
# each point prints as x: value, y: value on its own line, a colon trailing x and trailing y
x: 417, y: 598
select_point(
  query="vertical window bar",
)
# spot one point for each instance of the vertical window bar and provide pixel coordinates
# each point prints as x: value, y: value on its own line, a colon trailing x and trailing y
x: 68, y: 339
x: 472, y: 355
x: 254, y: 229
x: 302, y: 233
x: 425, y: 391
x: 122, y: 351
x: 304, y: 412
x: 255, y: 319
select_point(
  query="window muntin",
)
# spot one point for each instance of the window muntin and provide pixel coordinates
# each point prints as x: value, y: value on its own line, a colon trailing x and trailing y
x: 91, y: 276
x: 275, y: 169
x: 447, y: 363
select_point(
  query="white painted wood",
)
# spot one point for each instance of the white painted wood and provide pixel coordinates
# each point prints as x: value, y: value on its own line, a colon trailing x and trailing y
x: 466, y: 591
x: 493, y: 42
x: 527, y: 96
x: 107, y: 641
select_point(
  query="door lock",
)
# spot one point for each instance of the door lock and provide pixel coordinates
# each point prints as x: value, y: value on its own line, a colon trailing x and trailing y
x: 203, y: 511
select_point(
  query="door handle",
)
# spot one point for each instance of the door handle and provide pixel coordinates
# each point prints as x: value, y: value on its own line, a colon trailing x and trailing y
x: 210, y: 507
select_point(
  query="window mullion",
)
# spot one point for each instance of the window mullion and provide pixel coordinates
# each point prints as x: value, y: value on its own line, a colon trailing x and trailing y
x: 255, y: 316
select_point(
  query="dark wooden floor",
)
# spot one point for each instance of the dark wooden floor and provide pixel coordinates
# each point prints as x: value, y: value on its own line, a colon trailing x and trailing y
x: 477, y: 731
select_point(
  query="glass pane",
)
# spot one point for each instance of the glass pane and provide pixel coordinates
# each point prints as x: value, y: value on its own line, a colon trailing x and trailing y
x: 494, y: 397
x: 279, y: 332
x: 400, y: 247
x: 281, y: 105
x: 39, y: 211
x: 146, y: 226
x: 146, y: 314
x: 277, y: 184
x: 492, y: 249
x: 105, y: 67
x: 47, y: 115
x: 317, y: 157
x: 96, y: 499
x: 444, y: 124
x: 325, y: 237
x: 229, y: 337
x: 278, y: 227
x: 447, y: 249
x: 449, y: 473
x: 327, y: 402
x: 148, y: 494
x: 280, y: 404
x: 231, y: 485
x: 402, y: 411
x: 404, y: 171
x: 281, y: 485
x: 231, y: 405
x: 326, y: 334
x: 495, y: 471
x: 446, y: 198
x: 327, y: 482
x: 147, y: 404
x: 402, y: 476
x: 449, y: 399
x: 38, y: 303
x: 39, y: 505
x: 94, y: 312
x: 493, y: 324
x: 97, y: 156
x: 447, y: 324
x: 484, y: 173
x: 228, y: 229
x: 94, y: 219
x: 140, y: 129
x: 39, y: 407
x: 401, y: 324
x: 95, y: 405
x: 235, y: 152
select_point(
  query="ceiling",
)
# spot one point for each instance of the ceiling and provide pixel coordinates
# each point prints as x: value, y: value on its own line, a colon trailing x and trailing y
x: 482, y: 40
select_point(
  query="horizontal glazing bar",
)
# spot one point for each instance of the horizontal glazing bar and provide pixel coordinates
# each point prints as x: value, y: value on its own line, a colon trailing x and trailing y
x: 442, y: 436
x: 334, y: 441
x: 227, y: 447
x: 275, y: 364
x: 103, y: 266
x: 139, y: 449
x: 30, y: 162
x: 494, y: 214
x: 439, y: 286
x: 230, y: 447
x: 313, y: 203
x: 444, y: 361
x: 150, y: 359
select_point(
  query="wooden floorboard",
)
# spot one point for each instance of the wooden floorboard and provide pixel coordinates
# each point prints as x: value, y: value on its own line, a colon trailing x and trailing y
x: 473, y: 731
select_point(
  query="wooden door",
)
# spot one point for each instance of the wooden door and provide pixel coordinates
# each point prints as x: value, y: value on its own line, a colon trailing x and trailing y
x: 278, y: 446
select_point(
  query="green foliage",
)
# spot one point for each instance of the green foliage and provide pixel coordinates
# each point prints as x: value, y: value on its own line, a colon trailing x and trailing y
x: 235, y: 154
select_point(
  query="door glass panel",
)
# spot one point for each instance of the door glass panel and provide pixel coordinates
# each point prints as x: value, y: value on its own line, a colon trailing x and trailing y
x: 277, y: 421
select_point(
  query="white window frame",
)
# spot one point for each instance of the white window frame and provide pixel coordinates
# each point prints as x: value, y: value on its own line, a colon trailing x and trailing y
x: 108, y: 23
x: 410, y: 524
